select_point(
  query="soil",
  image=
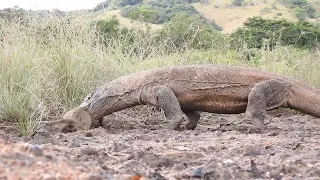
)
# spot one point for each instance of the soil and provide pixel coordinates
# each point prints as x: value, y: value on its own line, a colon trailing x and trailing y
x: 132, y: 144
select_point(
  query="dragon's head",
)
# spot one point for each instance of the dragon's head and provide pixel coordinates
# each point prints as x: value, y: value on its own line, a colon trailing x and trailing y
x: 74, y: 120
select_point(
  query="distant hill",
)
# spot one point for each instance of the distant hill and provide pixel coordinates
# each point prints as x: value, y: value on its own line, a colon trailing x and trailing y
x: 230, y: 16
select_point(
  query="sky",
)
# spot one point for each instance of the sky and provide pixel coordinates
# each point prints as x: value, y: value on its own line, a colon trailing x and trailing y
x: 64, y: 5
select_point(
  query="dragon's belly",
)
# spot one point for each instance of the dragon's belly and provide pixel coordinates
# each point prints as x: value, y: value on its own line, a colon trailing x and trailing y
x: 224, y: 102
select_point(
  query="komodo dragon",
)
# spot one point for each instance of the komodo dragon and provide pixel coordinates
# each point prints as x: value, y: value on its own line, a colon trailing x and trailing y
x: 208, y: 88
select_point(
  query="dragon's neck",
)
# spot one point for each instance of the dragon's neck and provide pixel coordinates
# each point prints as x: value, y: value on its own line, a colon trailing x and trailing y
x: 113, y: 104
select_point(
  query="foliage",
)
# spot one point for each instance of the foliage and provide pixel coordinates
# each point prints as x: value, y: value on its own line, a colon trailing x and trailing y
x: 145, y: 13
x: 109, y: 29
x: 258, y: 32
x: 184, y: 31
x: 102, y: 5
x: 162, y: 11
x: 237, y: 2
x: 116, y: 3
x: 301, y: 8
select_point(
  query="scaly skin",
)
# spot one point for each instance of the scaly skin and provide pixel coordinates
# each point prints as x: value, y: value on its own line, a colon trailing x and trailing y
x: 218, y: 89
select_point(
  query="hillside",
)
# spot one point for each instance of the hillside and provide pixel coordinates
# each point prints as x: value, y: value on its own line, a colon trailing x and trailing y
x: 231, y: 17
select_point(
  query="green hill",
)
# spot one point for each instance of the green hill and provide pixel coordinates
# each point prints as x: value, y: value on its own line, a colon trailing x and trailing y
x: 227, y: 14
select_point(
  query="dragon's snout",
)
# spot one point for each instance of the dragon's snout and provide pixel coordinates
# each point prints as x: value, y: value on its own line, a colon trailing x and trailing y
x: 74, y: 120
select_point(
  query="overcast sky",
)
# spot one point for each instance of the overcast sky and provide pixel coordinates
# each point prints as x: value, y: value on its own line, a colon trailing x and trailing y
x: 50, y: 4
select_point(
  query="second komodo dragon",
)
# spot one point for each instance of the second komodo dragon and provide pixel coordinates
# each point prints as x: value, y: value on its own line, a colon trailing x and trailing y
x: 209, y: 88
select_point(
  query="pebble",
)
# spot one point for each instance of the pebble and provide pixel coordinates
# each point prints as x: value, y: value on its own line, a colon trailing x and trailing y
x: 179, y: 167
x: 94, y: 177
x: 74, y: 144
x: 88, y: 134
x: 87, y: 151
x: 35, y: 150
x: 228, y: 161
x: 48, y: 177
x: 197, y: 173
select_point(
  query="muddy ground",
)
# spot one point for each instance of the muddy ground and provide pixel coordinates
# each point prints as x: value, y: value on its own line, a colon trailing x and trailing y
x: 133, y: 145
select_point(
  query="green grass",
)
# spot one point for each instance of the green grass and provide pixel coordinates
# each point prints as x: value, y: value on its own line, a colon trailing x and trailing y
x: 47, y: 68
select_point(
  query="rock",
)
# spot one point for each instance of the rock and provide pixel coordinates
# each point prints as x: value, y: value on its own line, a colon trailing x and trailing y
x: 35, y: 150
x: 273, y: 133
x: 86, y: 150
x: 197, y: 173
x: 74, y: 144
x: 214, y: 170
x: 228, y: 161
x: 155, y: 176
x: 48, y: 177
x: 253, y: 151
x: 179, y: 167
x: 94, y: 177
x: 88, y: 134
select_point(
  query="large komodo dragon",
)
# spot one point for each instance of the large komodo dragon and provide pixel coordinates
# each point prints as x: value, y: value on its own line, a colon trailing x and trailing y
x: 209, y: 88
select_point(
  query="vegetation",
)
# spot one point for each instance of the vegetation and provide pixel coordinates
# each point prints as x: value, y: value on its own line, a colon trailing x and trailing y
x: 301, y: 8
x: 115, y: 4
x: 258, y: 32
x: 159, y: 12
x: 237, y: 2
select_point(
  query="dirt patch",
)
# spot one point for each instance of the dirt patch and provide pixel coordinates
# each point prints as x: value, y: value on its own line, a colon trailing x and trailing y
x: 132, y: 144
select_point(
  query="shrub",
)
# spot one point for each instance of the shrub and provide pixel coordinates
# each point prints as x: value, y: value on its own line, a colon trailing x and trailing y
x: 145, y: 13
x: 162, y: 11
x: 302, y: 8
x: 237, y: 2
x: 109, y: 29
x: 116, y: 4
x: 184, y: 31
x: 258, y: 32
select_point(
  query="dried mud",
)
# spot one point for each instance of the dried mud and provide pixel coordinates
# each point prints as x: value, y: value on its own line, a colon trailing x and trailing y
x: 132, y: 144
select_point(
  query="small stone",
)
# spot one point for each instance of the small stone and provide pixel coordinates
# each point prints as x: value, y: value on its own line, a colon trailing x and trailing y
x: 94, y: 177
x: 228, y: 161
x: 87, y: 151
x: 48, y: 177
x: 309, y: 165
x: 268, y: 174
x: 23, y: 147
x: 88, y: 134
x: 179, y: 167
x: 197, y: 173
x: 74, y: 144
x: 273, y: 133
x: 253, y: 151
x: 35, y: 150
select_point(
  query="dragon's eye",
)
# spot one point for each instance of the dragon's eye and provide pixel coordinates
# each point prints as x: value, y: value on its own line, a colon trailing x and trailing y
x: 88, y: 97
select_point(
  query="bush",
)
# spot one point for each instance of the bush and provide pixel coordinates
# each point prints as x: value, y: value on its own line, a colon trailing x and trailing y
x: 109, y: 29
x: 237, y: 2
x: 258, y: 32
x: 116, y: 3
x: 302, y: 8
x: 162, y: 11
x: 184, y: 31
x: 145, y: 13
